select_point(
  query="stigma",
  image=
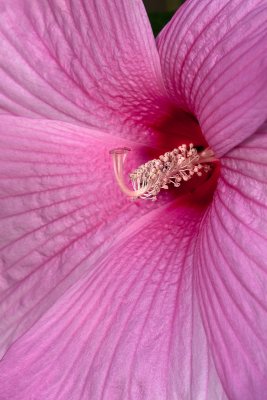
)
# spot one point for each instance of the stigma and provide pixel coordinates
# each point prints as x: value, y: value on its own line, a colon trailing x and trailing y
x: 172, y: 168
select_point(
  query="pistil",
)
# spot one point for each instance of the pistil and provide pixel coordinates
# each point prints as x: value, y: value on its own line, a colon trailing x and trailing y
x: 174, y: 167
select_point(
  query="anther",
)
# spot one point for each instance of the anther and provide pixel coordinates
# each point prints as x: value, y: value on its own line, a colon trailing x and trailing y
x: 175, y: 166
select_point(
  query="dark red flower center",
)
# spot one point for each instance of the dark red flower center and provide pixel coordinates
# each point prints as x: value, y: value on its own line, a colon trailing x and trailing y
x: 180, y: 160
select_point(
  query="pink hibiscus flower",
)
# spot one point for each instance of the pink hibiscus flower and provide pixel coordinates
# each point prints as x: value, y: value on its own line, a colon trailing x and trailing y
x: 102, y: 297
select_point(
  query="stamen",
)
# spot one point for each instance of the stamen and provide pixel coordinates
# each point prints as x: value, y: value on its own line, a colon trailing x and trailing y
x: 173, y: 167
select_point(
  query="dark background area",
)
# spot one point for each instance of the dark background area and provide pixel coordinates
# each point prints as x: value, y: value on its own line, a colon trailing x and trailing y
x: 160, y: 12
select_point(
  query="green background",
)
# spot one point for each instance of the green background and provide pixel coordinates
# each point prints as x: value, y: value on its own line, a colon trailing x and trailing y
x: 159, y: 19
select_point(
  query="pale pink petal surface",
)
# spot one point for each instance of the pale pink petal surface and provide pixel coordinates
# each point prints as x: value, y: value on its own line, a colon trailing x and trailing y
x: 214, y: 61
x: 129, y: 329
x: 60, y: 210
x: 92, y: 62
x: 231, y: 270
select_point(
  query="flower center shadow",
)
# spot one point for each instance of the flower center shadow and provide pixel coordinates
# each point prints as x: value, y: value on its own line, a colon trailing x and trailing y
x: 180, y: 161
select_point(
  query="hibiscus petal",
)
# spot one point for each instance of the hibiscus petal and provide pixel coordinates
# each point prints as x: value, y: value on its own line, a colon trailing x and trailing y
x: 59, y: 205
x: 214, y: 60
x: 232, y: 272
x: 129, y: 329
x: 80, y: 61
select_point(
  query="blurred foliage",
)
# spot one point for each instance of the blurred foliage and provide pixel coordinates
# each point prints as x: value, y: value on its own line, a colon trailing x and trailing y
x: 159, y: 20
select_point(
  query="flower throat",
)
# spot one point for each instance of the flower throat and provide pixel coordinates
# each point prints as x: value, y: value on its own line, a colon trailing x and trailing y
x: 174, y: 167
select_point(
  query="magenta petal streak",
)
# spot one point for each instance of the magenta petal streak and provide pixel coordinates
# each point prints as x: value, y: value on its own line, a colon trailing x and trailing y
x: 121, y: 330
x: 58, y: 210
x: 232, y: 271
x: 214, y: 60
x: 86, y: 62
